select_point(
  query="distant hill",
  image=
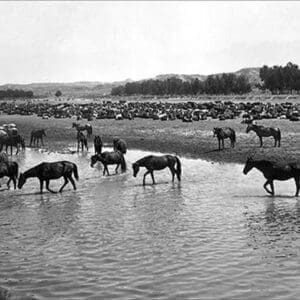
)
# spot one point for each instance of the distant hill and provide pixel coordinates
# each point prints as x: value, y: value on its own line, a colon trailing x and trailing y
x: 97, y: 88
x: 251, y: 73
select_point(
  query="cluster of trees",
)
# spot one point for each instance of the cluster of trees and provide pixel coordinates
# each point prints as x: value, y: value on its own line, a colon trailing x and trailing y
x: 213, y: 84
x: 279, y: 79
x: 9, y: 93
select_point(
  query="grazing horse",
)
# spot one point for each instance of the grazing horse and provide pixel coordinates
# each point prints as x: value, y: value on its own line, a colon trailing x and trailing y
x: 110, y: 158
x: 273, y: 171
x: 224, y: 133
x: 11, y: 170
x: 36, y: 136
x: 120, y: 145
x: 98, y: 144
x: 47, y: 171
x: 82, y: 141
x: 152, y: 163
x: 11, y: 141
x: 263, y: 131
x: 87, y: 127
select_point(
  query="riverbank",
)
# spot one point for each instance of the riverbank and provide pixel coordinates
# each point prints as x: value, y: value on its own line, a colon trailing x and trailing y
x: 184, y: 139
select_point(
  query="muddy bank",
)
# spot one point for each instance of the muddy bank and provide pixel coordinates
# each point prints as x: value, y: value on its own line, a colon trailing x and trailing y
x: 185, y: 139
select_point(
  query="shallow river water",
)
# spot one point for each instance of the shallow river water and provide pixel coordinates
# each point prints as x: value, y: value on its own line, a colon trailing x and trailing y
x: 216, y: 235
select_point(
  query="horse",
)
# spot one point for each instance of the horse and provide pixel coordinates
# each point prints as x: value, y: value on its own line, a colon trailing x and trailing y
x: 47, y: 171
x: 98, y: 144
x: 82, y: 141
x: 11, y: 170
x: 12, y: 141
x: 36, y: 136
x: 274, y: 171
x: 153, y: 163
x: 263, y: 131
x: 87, y: 127
x: 120, y: 145
x: 224, y: 133
x: 110, y: 158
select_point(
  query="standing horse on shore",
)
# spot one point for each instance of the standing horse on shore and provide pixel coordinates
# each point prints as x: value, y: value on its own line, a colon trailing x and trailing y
x: 273, y: 171
x: 11, y: 170
x: 47, y: 171
x: 37, y: 135
x: 82, y: 141
x: 155, y: 163
x: 120, y: 145
x: 98, y: 144
x: 263, y: 131
x: 224, y: 133
x: 88, y: 128
x: 110, y: 158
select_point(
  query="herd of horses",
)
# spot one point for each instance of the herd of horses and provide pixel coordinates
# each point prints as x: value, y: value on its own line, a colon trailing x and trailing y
x: 46, y: 171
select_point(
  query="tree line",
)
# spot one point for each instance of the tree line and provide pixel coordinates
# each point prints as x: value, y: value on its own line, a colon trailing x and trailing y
x: 279, y: 79
x: 214, y: 84
x: 10, y: 93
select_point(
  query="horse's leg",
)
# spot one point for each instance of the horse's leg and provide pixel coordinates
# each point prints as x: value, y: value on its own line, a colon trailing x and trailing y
x: 219, y: 143
x: 275, y: 144
x: 8, y: 182
x: 42, y: 141
x: 152, y: 177
x: 272, y: 187
x: 48, y: 188
x: 41, y: 186
x: 223, y: 144
x: 106, y: 167
x: 73, y: 182
x: 116, y: 170
x: 65, y: 183
x: 173, y: 172
x: 265, y: 186
x: 261, y: 141
x: 144, y: 179
x: 15, y: 182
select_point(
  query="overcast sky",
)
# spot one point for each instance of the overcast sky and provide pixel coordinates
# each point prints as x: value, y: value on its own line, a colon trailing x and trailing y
x: 109, y: 41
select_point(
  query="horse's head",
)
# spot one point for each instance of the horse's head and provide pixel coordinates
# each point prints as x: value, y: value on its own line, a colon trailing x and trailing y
x: 250, y: 127
x: 216, y: 130
x: 22, y: 180
x: 135, y: 168
x: 94, y: 160
x: 249, y: 165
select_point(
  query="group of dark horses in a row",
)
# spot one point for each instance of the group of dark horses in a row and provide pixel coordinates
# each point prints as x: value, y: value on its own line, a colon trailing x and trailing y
x: 49, y: 171
x: 261, y: 131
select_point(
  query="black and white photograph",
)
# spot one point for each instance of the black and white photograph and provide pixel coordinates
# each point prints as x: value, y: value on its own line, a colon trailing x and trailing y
x: 149, y: 150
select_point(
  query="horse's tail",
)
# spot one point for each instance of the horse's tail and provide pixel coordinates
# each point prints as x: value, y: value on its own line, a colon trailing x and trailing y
x: 123, y: 163
x: 178, y: 169
x: 233, y: 136
x: 90, y: 130
x: 279, y: 135
x: 75, y: 171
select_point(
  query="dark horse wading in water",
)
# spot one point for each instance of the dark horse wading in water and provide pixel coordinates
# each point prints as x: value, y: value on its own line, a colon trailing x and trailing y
x: 263, y: 131
x: 47, y: 171
x: 109, y: 158
x: 120, y: 145
x: 155, y: 163
x: 225, y: 133
x: 273, y: 171
x: 36, y: 136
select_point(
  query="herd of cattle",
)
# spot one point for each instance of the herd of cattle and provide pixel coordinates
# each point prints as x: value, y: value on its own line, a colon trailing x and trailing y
x: 185, y: 111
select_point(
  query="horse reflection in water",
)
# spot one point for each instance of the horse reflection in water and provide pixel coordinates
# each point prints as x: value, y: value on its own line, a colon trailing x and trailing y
x: 47, y: 171
x: 109, y: 158
x: 273, y: 171
x: 155, y: 163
